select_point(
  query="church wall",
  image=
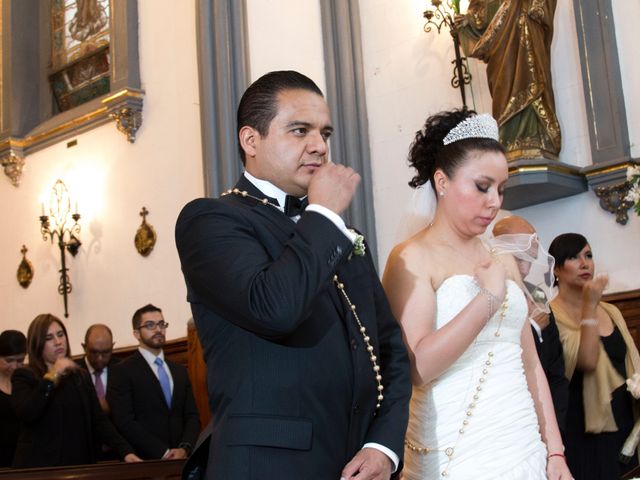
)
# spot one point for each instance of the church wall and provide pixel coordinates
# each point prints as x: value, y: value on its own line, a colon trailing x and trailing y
x: 285, y: 35
x: 407, y: 74
x: 112, y: 179
x: 625, y: 14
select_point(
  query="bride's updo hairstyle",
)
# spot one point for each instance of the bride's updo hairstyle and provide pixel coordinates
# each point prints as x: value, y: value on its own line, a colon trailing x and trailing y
x: 428, y: 152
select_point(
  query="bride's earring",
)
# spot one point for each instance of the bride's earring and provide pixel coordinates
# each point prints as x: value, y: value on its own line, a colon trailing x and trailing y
x: 441, y: 193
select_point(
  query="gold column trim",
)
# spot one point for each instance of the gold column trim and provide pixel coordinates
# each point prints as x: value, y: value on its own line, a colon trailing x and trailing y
x: 541, y: 168
x: 103, y: 111
x: 605, y: 170
x: 125, y: 92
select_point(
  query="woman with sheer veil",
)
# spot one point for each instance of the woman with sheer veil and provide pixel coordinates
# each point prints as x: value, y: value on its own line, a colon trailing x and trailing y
x: 481, y: 406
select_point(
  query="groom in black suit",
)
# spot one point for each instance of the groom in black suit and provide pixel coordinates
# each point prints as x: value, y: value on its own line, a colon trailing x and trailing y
x: 307, y: 372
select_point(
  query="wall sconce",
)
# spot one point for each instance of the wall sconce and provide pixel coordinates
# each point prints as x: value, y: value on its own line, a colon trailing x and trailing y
x: 439, y: 16
x: 58, y: 224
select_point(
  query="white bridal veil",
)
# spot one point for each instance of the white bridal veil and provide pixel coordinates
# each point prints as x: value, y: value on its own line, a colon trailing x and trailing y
x: 534, y: 262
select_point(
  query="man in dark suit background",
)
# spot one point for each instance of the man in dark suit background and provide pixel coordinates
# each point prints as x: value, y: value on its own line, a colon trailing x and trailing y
x: 98, y: 348
x: 150, y: 397
x: 545, y: 330
x: 98, y: 360
x: 307, y: 372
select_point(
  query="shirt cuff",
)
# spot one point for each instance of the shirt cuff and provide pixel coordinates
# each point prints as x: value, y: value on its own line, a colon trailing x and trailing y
x: 537, y: 328
x: 392, y: 456
x: 334, y: 218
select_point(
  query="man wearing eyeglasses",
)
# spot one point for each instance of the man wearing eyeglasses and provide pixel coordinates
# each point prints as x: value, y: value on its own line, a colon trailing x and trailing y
x: 150, y: 397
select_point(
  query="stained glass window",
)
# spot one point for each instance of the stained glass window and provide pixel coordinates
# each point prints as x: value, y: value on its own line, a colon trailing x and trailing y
x: 80, y: 51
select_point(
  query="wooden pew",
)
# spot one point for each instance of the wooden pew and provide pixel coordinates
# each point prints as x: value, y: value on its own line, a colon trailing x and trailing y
x: 148, y: 470
x: 629, y: 305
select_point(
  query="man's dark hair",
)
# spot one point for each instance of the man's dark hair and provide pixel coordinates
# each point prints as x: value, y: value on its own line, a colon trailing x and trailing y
x: 137, y: 317
x: 259, y: 105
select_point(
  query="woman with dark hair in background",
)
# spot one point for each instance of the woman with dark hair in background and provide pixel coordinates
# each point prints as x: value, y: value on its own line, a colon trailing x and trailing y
x: 599, y: 355
x: 62, y: 421
x: 13, y: 348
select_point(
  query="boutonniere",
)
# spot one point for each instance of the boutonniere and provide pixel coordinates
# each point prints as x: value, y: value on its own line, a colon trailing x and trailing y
x: 359, y: 247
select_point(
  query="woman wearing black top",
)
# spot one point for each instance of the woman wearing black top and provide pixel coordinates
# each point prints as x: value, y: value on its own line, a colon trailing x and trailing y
x: 599, y: 354
x: 62, y: 421
x: 13, y: 348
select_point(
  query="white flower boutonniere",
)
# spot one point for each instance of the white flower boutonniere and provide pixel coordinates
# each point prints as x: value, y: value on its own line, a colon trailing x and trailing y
x: 359, y: 247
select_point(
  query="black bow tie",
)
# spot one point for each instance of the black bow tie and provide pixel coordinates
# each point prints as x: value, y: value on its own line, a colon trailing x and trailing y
x: 293, y: 206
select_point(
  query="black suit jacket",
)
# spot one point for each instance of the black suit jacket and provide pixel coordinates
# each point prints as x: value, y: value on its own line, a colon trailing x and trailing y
x: 552, y: 360
x: 103, y: 453
x: 42, y: 412
x: 140, y: 412
x: 291, y: 386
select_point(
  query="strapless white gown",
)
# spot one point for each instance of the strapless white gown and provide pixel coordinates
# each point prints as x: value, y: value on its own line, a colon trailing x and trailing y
x: 501, y: 438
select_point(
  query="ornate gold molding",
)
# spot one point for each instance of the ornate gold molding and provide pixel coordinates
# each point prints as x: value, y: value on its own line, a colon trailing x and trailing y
x: 612, y: 199
x: 621, y: 167
x: 541, y: 168
x: 128, y: 121
x: 124, y: 107
x: 13, y: 165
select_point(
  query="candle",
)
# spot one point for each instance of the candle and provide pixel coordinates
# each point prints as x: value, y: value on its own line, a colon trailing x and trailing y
x: 42, y: 209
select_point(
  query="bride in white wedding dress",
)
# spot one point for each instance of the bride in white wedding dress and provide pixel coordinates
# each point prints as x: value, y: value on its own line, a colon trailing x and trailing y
x: 481, y: 407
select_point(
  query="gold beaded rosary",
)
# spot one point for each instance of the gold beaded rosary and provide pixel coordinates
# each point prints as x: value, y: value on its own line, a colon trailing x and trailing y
x: 340, y: 286
x: 449, y: 451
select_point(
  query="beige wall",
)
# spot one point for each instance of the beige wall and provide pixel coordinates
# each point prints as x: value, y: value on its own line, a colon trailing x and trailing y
x: 112, y: 180
x: 407, y: 74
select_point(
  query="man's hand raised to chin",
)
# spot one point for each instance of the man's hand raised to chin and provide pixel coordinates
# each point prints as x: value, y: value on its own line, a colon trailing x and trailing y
x: 368, y: 464
x: 333, y: 186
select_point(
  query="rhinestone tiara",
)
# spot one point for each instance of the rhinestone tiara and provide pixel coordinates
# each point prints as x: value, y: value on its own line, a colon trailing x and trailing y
x: 478, y: 126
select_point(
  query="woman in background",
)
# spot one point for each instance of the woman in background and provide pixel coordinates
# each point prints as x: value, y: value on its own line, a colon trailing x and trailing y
x: 13, y: 348
x: 599, y: 355
x: 62, y: 421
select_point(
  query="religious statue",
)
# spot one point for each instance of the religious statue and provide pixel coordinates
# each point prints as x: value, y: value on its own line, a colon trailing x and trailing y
x: 513, y: 37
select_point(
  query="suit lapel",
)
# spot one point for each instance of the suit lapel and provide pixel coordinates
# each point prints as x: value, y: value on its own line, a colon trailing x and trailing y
x: 284, y: 229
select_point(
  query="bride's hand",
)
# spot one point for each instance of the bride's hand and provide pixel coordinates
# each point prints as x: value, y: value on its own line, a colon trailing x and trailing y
x: 491, y: 276
x: 557, y: 469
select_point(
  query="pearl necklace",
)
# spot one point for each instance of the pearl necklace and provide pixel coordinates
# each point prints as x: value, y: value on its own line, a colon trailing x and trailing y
x: 244, y: 193
x: 363, y: 331
x: 340, y: 286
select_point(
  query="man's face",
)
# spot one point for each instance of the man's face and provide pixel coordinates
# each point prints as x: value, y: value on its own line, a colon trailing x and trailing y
x: 151, y: 331
x: 295, y: 145
x: 98, y: 348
